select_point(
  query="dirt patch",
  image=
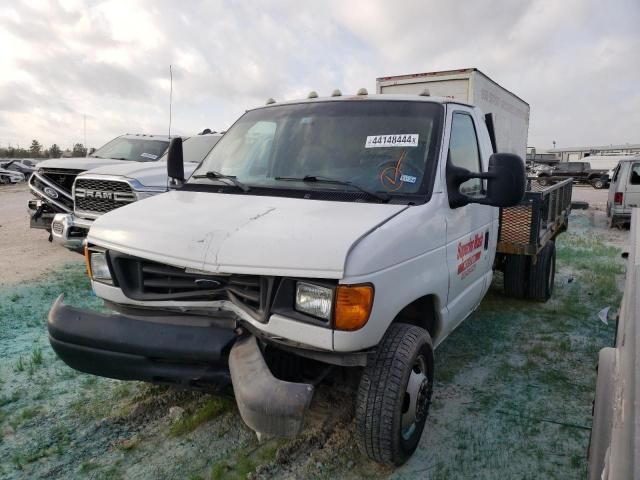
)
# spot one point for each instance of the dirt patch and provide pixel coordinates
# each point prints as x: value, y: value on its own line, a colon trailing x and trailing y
x: 26, y: 252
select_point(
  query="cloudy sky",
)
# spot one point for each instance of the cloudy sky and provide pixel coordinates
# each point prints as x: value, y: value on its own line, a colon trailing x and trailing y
x: 577, y: 62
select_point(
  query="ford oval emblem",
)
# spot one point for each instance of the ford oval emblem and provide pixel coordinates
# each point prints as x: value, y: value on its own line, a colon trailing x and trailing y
x: 51, y: 192
x: 207, y: 283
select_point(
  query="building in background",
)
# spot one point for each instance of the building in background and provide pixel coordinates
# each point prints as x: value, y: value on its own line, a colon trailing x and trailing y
x: 572, y: 154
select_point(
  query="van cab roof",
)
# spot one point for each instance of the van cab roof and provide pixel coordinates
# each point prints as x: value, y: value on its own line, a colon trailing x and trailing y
x: 368, y: 98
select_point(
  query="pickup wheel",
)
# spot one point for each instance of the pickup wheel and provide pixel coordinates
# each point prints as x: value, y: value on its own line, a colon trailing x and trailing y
x: 598, y: 183
x: 516, y: 275
x: 542, y: 274
x: 394, y: 395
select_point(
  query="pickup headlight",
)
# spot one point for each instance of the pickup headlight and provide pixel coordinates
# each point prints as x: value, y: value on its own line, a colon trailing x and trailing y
x: 97, y: 266
x: 314, y: 300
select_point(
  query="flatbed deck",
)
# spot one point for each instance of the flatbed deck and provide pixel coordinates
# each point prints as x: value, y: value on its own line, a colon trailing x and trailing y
x: 543, y: 214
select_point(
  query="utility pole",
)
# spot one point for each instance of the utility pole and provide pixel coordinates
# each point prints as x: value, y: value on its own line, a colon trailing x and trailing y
x: 85, y: 130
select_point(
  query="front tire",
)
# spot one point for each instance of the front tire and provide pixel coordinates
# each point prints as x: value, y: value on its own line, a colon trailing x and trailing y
x: 395, y: 394
x: 598, y: 183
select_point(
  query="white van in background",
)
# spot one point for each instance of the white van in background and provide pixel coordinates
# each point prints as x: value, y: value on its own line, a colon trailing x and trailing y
x: 624, y: 191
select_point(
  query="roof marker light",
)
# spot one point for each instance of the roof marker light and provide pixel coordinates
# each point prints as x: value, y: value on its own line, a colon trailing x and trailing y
x: 312, y: 94
x: 425, y: 93
x: 336, y: 93
x: 270, y: 101
x: 363, y: 91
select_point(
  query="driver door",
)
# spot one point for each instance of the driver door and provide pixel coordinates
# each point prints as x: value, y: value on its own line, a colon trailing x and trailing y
x: 468, y: 228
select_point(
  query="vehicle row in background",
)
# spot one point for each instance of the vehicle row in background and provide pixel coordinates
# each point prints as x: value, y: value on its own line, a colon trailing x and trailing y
x: 17, y: 166
x: 580, y: 172
x: 52, y: 182
x: 10, y: 176
x: 98, y: 191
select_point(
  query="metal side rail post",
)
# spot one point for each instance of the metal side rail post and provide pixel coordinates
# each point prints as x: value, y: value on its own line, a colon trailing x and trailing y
x: 614, y: 447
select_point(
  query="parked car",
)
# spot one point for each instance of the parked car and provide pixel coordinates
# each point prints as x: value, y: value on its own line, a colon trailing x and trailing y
x: 16, y: 166
x: 52, y: 182
x: 356, y: 231
x: 581, y: 172
x: 98, y: 191
x: 10, y: 176
x: 624, y: 192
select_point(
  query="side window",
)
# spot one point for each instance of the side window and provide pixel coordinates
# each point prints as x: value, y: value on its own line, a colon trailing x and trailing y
x: 463, y: 151
x: 635, y: 174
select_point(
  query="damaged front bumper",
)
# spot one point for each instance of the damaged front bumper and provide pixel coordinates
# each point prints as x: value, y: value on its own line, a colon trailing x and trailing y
x: 180, y: 351
x: 70, y: 231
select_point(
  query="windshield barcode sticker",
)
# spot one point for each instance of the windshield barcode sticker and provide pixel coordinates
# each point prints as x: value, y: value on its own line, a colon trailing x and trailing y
x: 385, y: 141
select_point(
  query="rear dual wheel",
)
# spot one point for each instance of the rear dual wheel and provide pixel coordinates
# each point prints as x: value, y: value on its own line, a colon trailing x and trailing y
x: 526, y: 279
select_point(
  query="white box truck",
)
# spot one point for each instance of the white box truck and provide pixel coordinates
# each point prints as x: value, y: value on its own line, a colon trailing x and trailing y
x: 470, y: 85
x: 355, y: 231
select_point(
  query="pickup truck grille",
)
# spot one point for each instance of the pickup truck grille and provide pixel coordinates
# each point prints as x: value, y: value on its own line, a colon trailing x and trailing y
x: 52, y: 190
x: 146, y: 280
x: 96, y: 196
x: 62, y: 177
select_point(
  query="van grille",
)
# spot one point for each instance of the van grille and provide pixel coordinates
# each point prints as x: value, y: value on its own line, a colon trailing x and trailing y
x: 101, y: 196
x: 146, y: 280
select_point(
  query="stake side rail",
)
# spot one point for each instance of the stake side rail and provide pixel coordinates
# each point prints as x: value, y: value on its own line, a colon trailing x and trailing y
x: 543, y: 214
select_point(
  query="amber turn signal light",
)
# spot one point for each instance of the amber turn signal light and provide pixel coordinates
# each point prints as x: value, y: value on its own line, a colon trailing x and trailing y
x: 87, y: 261
x: 352, y: 306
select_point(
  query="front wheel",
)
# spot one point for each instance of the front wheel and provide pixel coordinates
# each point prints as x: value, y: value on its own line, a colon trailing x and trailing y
x: 394, y: 395
x: 598, y: 183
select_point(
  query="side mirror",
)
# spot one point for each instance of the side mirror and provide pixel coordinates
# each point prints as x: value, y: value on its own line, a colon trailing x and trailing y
x: 505, y: 182
x: 175, y: 161
x: 91, y: 151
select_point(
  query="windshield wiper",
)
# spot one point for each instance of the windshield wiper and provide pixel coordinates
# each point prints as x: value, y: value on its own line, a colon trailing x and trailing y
x: 383, y: 197
x: 212, y: 174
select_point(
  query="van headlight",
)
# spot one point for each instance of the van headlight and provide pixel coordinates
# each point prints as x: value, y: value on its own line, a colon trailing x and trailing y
x: 97, y: 266
x: 314, y: 300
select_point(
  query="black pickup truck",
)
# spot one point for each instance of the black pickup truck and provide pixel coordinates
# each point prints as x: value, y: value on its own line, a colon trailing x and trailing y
x: 581, y: 172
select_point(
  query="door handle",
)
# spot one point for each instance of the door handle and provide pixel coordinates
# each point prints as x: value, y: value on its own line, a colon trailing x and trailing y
x: 486, y: 240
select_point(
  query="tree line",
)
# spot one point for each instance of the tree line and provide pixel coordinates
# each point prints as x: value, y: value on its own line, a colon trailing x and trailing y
x: 37, y: 150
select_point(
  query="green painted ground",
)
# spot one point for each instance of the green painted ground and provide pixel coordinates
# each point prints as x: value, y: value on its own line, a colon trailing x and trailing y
x: 513, y: 396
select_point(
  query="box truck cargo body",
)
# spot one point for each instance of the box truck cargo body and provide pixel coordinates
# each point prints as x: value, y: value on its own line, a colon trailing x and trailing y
x: 470, y: 85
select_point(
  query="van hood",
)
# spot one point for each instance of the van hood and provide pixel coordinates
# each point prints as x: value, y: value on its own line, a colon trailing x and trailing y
x: 227, y: 233
x: 81, y: 163
x: 148, y: 174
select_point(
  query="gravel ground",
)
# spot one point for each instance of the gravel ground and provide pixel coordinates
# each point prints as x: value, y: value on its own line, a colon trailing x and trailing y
x: 514, y: 385
x: 26, y: 253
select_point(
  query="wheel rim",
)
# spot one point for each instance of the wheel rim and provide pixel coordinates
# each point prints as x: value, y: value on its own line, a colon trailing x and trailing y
x: 415, y: 404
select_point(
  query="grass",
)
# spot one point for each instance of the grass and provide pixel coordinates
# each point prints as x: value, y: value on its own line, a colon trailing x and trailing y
x: 213, y: 407
x: 244, y: 462
x: 524, y: 375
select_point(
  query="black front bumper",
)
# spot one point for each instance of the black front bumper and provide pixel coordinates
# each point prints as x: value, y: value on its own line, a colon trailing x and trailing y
x: 118, y: 346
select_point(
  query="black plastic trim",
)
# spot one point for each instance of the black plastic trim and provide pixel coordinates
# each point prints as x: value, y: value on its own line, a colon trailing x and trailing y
x: 118, y: 346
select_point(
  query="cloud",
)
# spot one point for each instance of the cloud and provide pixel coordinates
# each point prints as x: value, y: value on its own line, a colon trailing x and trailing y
x: 573, y: 61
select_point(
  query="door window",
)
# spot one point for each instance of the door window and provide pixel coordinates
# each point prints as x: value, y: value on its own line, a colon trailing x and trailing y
x: 464, y: 152
x: 635, y: 174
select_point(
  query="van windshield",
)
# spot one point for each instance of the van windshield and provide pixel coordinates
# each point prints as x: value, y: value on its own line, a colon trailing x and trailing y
x: 383, y: 147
